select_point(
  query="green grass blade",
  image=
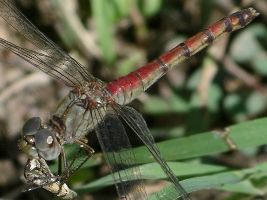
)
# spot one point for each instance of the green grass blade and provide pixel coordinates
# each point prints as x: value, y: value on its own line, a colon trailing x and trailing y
x: 152, y: 171
x: 217, y: 180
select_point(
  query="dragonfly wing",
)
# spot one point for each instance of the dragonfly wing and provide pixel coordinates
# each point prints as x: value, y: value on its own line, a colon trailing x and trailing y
x: 137, y: 123
x: 117, y: 149
x: 51, y: 59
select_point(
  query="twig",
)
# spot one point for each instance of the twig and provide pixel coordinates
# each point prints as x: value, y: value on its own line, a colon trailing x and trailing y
x: 34, y: 80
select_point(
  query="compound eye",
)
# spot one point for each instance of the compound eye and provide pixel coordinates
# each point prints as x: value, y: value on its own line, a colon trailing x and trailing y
x: 47, y: 144
x: 31, y: 126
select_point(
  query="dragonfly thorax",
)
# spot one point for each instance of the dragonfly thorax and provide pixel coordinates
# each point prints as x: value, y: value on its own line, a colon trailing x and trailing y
x: 92, y: 96
x: 79, y: 112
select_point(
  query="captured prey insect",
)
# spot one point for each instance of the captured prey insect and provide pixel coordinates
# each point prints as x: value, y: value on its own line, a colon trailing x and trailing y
x: 93, y: 105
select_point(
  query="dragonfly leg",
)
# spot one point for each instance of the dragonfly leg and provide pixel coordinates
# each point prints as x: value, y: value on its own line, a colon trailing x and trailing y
x: 62, y: 160
x: 80, y: 157
x: 83, y: 144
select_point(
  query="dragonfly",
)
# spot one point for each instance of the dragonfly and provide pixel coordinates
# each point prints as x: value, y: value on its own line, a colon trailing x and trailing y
x: 95, y: 106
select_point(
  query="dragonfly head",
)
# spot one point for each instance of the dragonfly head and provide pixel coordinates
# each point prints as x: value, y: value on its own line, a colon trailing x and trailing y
x: 38, y: 141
